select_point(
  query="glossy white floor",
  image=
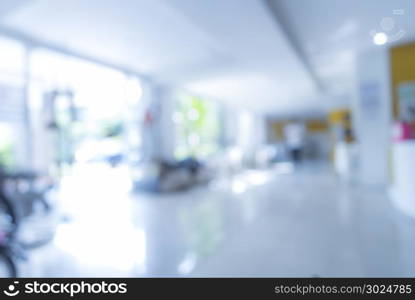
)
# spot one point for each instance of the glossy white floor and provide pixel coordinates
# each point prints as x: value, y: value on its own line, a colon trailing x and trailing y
x: 257, y: 224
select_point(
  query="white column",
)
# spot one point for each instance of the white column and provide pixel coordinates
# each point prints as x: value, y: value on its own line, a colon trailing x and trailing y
x: 167, y: 138
x: 371, y: 109
x: 250, y: 135
x: 158, y: 134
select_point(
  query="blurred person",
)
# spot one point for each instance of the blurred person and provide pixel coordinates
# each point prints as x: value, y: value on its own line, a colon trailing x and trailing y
x: 294, y: 133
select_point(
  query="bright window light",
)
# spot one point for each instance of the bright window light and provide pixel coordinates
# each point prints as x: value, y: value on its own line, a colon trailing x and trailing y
x: 11, y: 61
x: 133, y: 90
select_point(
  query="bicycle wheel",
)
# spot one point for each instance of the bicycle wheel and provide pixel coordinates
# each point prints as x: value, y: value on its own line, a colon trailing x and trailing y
x: 7, y: 212
x: 7, y: 266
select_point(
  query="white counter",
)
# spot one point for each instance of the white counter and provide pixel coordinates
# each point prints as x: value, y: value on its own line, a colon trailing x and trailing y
x: 403, y: 172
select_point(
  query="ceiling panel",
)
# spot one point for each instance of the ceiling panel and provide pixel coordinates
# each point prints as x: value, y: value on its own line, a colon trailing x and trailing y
x: 232, y: 50
x: 146, y: 35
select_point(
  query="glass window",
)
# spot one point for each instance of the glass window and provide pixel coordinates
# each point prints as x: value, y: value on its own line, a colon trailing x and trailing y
x: 100, y: 105
x: 12, y: 59
x: 7, y: 157
x: 198, y: 127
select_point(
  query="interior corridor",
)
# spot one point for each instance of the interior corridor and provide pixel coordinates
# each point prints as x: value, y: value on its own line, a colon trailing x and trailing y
x: 207, y: 138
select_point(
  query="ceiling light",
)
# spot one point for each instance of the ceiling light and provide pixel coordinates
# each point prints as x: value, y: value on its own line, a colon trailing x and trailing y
x: 380, y: 38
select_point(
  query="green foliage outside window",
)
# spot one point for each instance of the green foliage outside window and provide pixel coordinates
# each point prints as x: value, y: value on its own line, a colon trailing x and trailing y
x: 197, y: 127
x: 6, y: 155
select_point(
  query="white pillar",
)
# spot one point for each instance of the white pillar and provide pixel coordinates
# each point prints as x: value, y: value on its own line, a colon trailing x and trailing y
x: 158, y: 130
x: 250, y: 135
x: 372, y: 116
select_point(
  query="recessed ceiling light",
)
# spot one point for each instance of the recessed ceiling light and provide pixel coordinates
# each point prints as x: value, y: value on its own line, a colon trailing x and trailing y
x: 380, y: 38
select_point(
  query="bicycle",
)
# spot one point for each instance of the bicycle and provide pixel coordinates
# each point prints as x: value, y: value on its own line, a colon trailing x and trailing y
x: 8, y: 227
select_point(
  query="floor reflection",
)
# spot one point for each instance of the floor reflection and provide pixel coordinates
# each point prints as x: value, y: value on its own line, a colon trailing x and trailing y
x: 258, y: 223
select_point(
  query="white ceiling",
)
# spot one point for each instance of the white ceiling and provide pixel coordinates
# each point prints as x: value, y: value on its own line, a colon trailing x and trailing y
x: 331, y: 33
x: 232, y: 50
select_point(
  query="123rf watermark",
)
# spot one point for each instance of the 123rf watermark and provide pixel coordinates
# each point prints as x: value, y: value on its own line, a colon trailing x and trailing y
x: 64, y: 288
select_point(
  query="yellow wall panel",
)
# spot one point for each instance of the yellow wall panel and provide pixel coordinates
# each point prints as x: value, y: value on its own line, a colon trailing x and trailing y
x: 402, y: 69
